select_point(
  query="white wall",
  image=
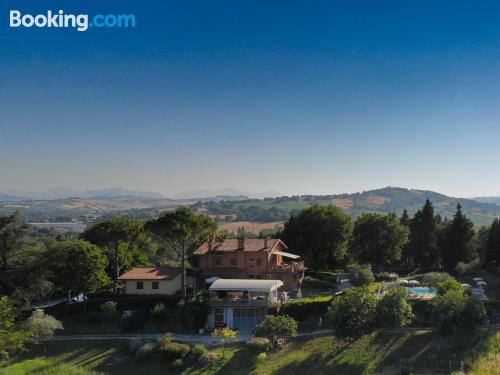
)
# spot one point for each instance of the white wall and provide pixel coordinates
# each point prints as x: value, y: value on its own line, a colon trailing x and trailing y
x: 165, y: 287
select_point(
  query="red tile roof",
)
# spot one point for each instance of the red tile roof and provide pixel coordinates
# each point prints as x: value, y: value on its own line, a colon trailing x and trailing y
x: 151, y: 273
x: 231, y: 245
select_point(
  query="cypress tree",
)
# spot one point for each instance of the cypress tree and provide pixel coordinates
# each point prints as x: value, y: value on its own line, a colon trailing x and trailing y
x: 423, y: 247
x: 493, y: 243
x: 458, y: 242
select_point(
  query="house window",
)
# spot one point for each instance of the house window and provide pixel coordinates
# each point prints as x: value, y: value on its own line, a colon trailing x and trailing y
x: 140, y: 285
x: 219, y: 317
x: 259, y: 261
x: 232, y: 261
x: 217, y: 260
x: 155, y: 285
x: 251, y: 262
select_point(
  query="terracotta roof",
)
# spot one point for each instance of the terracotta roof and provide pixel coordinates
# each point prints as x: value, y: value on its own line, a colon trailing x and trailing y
x: 231, y: 245
x: 223, y: 271
x: 151, y: 273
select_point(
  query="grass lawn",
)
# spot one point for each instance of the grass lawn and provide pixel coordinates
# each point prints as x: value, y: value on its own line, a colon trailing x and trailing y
x: 378, y: 353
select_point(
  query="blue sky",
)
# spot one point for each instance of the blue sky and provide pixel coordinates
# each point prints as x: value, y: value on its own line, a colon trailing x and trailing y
x: 295, y: 96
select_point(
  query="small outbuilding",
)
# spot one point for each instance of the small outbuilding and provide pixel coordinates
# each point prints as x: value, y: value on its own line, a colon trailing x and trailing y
x: 163, y: 280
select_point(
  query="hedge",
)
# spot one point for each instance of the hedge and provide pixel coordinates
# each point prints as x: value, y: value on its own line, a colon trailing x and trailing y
x: 301, y: 309
x: 124, y: 302
x: 310, y: 283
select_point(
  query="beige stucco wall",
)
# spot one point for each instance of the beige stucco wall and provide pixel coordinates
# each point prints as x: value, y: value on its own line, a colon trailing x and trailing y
x: 165, y: 287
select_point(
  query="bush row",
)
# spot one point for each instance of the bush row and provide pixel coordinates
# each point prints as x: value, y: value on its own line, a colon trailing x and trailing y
x: 126, y: 302
x: 301, y: 309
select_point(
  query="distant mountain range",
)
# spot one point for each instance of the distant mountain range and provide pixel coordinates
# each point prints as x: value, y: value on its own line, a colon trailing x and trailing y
x: 494, y: 200
x: 225, y: 194
x: 114, y: 193
x: 63, y: 193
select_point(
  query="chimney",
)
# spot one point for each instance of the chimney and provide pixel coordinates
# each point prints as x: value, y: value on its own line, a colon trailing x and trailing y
x: 241, y: 243
x: 265, y: 242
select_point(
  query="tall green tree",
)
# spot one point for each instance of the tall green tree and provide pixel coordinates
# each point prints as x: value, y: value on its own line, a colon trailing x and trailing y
x: 423, y: 247
x: 378, y: 239
x: 405, y: 218
x: 406, y: 261
x: 320, y: 234
x: 493, y: 243
x: 353, y: 313
x: 12, y: 234
x: 12, y: 339
x: 458, y: 241
x: 123, y: 241
x: 77, y: 266
x: 182, y: 231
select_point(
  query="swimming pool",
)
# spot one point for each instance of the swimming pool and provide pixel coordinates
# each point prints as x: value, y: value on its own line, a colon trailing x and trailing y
x: 422, y: 290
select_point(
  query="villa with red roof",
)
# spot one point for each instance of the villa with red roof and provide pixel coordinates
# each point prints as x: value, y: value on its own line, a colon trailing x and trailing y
x: 250, y: 259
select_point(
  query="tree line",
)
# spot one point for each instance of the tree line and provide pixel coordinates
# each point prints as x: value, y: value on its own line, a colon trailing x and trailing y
x: 327, y: 238
x: 37, y: 267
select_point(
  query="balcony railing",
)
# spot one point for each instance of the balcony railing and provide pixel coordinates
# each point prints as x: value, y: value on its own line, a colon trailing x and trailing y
x: 291, y: 267
x: 214, y: 301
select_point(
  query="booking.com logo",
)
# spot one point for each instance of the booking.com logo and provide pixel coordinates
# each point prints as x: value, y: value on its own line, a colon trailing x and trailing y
x: 79, y: 22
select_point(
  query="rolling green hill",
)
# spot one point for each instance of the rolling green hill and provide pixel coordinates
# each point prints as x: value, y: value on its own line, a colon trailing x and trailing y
x: 238, y: 209
x: 385, y: 200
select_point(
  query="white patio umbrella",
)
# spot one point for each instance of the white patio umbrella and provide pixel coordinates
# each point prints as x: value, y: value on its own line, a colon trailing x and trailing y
x: 403, y: 281
x: 478, y: 279
x: 413, y: 282
x: 481, y: 283
x: 467, y: 285
x: 393, y: 276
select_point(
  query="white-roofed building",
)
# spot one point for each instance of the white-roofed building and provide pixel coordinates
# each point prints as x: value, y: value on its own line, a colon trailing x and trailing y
x: 241, y: 303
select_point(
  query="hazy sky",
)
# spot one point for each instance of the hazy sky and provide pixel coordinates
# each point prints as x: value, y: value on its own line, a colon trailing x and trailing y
x: 296, y: 96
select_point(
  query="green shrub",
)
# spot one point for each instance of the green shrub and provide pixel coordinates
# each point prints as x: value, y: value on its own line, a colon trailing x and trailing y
x: 136, y: 320
x: 192, y: 312
x: 108, y: 310
x: 448, y: 285
x: 456, y: 312
x: 262, y: 357
x: 165, y: 340
x: 394, y: 309
x: 383, y: 276
x: 361, y: 275
x: 472, y: 267
x: 277, y: 329
x: 198, y: 351
x: 209, y: 359
x: 433, y: 278
x: 260, y: 344
x: 135, y: 344
x: 304, y: 307
x: 145, y: 351
x: 160, y: 312
x: 177, y: 364
x: 175, y: 350
x: 353, y: 313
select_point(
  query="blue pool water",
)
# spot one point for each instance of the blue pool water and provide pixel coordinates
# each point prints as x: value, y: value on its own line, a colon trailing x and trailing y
x: 422, y: 290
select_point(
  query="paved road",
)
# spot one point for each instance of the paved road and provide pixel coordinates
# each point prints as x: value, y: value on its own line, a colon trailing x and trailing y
x: 208, y: 340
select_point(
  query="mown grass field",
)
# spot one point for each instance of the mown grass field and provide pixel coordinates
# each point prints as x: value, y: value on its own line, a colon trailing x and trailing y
x: 378, y: 353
